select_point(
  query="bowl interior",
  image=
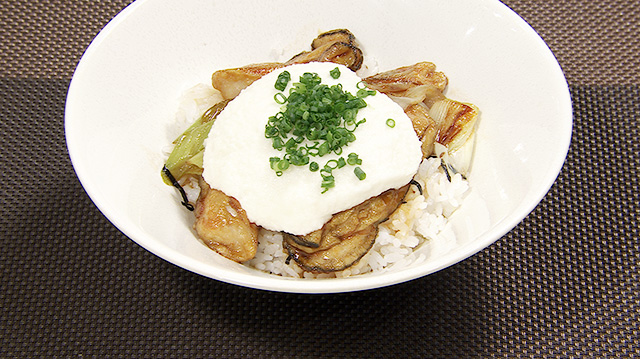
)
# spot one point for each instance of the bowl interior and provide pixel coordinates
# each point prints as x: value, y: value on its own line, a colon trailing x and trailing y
x: 124, y: 95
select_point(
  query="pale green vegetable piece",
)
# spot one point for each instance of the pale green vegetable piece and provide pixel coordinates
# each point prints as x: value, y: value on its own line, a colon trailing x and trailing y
x: 186, y: 157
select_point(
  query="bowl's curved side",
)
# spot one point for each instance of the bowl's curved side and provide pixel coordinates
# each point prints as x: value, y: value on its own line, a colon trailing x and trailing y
x: 125, y: 89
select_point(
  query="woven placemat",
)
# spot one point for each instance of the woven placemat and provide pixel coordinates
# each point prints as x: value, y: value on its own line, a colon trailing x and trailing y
x: 563, y: 283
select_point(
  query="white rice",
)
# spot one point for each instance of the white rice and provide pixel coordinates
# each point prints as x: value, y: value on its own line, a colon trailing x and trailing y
x: 420, y: 222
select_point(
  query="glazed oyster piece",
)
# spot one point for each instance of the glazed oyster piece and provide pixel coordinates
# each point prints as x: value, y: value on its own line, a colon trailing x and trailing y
x: 223, y: 226
x: 346, y: 237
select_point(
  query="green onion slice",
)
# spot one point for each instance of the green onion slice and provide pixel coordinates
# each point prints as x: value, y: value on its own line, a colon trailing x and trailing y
x: 335, y: 73
x: 391, y: 123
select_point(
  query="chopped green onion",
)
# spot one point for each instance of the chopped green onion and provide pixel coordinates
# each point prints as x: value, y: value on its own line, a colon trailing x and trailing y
x: 327, y: 182
x: 314, y: 120
x: 359, y: 173
x: 350, y: 114
x: 335, y: 73
x: 326, y: 171
x: 353, y: 159
x: 282, y: 165
x: 323, y: 149
x: 280, y: 98
x: 282, y: 81
x: 365, y: 92
x: 333, y: 164
x: 277, y: 143
x: 273, y: 162
x: 391, y: 123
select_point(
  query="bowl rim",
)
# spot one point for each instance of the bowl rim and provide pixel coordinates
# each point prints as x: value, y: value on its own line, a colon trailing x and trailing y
x: 318, y: 286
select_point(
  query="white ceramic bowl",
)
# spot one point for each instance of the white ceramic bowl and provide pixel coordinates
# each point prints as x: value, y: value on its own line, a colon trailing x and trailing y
x: 125, y: 92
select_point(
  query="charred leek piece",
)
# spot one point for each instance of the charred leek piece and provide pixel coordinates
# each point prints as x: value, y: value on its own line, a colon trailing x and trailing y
x: 457, y: 122
x: 186, y: 157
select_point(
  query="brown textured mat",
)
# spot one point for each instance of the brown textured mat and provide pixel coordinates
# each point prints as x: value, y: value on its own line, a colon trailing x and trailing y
x: 563, y: 283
